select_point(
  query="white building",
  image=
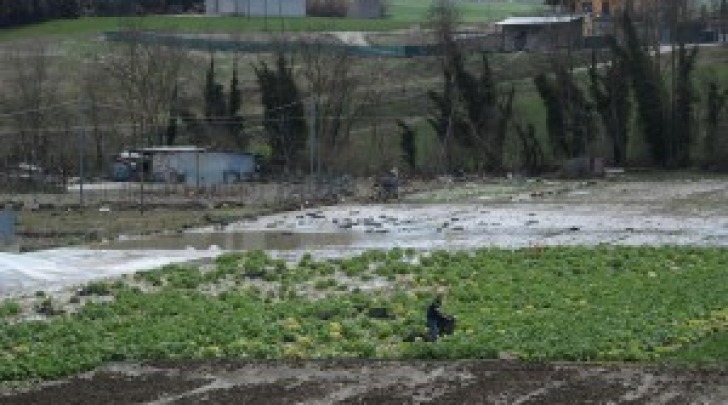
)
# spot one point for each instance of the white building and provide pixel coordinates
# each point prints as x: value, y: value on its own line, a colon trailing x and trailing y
x: 287, y: 8
x: 257, y: 8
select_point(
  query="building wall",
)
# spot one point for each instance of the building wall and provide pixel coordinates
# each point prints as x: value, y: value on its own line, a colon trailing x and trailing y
x: 203, y: 168
x: 365, y: 9
x: 257, y: 8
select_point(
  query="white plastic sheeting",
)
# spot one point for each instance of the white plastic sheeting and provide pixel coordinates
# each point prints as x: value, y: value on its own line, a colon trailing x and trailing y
x: 58, y: 268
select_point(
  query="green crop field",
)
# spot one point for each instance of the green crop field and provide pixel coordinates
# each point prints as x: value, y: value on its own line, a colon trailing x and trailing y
x: 415, y: 11
x: 605, y: 303
x: 403, y: 13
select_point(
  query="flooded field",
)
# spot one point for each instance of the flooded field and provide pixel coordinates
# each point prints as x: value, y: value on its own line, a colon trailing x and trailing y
x: 244, y: 240
x: 508, y: 214
x: 452, y: 217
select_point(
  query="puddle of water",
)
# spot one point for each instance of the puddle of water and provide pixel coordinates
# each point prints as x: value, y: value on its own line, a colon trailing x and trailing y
x: 263, y: 240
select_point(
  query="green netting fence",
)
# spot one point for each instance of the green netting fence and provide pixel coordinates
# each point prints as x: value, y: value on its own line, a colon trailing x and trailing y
x: 233, y: 45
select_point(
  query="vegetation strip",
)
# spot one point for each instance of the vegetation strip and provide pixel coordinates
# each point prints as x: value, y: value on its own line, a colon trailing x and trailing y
x: 565, y: 303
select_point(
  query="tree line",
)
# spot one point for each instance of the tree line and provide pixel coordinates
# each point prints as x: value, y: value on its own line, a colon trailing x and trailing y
x: 311, y: 106
x: 142, y: 94
x: 14, y: 13
x: 634, y: 95
x: 21, y: 12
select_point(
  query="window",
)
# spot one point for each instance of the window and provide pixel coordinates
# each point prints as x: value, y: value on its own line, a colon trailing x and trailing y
x: 606, y: 10
x: 587, y: 7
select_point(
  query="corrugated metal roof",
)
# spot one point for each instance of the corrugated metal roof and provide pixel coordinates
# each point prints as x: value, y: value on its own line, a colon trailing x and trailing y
x: 555, y: 19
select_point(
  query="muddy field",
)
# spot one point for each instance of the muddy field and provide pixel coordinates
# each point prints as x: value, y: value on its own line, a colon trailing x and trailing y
x: 452, y: 216
x: 373, y: 382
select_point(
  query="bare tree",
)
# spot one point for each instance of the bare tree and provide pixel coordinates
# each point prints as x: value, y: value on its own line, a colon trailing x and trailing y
x: 335, y: 88
x: 34, y: 91
x: 144, y: 75
x: 96, y: 94
x: 443, y: 18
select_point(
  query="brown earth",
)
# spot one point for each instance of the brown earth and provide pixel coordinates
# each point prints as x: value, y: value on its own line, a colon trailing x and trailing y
x: 382, y: 382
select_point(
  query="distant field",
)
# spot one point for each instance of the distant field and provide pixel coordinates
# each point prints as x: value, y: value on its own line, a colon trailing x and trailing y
x: 415, y: 11
x: 403, y: 13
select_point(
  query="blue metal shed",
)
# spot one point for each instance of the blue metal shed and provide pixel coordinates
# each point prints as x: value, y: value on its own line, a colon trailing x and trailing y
x: 197, y: 167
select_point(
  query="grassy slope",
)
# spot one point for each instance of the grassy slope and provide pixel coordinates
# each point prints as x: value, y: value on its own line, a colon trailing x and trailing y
x: 403, y: 14
x: 415, y: 11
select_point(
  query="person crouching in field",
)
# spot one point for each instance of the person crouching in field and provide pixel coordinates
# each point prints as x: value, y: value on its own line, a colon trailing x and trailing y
x: 438, y: 323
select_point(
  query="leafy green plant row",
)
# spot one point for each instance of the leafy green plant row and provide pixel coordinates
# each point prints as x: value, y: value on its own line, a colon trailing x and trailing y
x: 616, y: 304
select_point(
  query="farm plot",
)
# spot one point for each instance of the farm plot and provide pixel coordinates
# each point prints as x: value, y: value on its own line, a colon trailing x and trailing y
x: 580, y: 304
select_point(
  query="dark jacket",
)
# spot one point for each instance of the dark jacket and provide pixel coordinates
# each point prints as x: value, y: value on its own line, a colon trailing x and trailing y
x: 435, y: 314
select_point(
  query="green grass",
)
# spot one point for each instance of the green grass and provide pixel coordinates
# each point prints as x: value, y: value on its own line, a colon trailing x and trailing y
x: 711, y: 350
x: 95, y: 25
x: 564, y: 303
x: 403, y: 14
x: 415, y: 11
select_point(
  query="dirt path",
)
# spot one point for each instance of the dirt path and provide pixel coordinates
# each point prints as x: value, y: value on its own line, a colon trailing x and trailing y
x: 376, y: 382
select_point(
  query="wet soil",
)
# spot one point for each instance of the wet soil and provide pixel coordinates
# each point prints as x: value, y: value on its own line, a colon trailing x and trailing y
x: 382, y: 382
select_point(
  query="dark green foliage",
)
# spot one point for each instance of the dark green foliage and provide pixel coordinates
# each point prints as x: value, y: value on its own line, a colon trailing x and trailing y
x: 23, y: 12
x: 442, y: 113
x: 478, y: 97
x: 683, y: 115
x: 170, y: 135
x: 611, y: 94
x: 235, y: 98
x: 570, y: 121
x: 531, y: 151
x: 716, y: 101
x: 215, y: 106
x: 131, y: 7
x: 222, y: 112
x: 666, y: 120
x: 235, y: 121
x: 98, y: 288
x: 408, y: 144
x: 9, y: 308
x: 471, y: 114
x: 283, y: 112
x: 648, y: 89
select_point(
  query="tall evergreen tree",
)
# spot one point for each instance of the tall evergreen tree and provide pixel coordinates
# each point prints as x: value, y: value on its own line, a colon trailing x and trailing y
x: 283, y: 112
x: 649, y: 91
x: 234, y: 120
x: 611, y: 94
x: 471, y: 114
x: 684, y: 122
x: 235, y: 97
x: 444, y: 117
x: 170, y: 136
x: 408, y: 144
x: 569, y: 113
x: 215, y: 105
x: 717, y: 101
